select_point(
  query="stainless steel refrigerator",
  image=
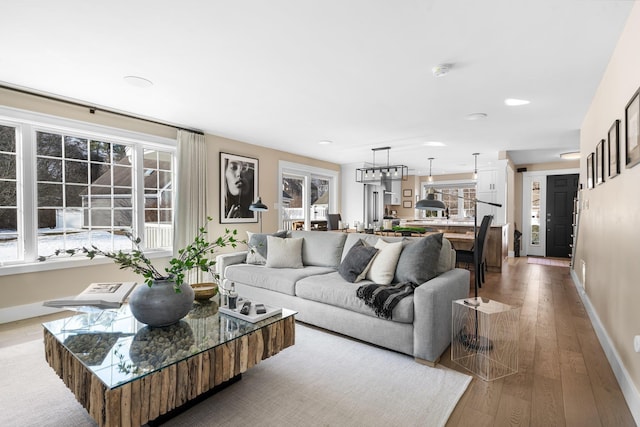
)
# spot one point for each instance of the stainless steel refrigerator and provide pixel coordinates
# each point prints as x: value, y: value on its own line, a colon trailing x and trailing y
x: 373, y: 204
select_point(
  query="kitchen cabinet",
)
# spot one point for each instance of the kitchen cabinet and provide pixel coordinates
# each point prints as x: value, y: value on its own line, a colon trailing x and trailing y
x: 491, y: 187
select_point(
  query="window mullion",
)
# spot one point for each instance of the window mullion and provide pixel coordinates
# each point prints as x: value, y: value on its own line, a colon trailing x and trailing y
x: 27, y: 194
x: 138, y: 194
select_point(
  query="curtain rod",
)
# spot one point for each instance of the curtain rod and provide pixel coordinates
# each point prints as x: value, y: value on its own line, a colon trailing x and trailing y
x: 92, y: 109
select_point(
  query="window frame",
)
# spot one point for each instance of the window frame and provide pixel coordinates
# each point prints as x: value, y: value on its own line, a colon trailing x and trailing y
x: 307, y: 173
x: 27, y: 124
x: 460, y: 185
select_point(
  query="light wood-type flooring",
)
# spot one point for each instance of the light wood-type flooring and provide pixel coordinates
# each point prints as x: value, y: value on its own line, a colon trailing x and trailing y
x: 564, y: 378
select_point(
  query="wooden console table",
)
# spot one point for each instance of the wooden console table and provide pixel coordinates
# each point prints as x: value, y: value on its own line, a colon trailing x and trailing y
x: 127, y: 374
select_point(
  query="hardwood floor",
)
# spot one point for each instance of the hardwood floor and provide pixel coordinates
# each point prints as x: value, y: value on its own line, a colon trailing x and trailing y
x: 564, y: 378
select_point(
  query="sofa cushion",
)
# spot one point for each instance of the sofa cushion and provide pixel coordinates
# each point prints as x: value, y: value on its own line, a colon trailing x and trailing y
x: 355, y: 265
x: 332, y: 289
x: 284, y: 253
x: 321, y: 248
x: 281, y: 280
x: 419, y: 260
x: 257, y: 243
x: 383, y: 268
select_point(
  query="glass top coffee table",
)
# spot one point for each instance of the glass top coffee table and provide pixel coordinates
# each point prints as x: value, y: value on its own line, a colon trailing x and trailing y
x: 126, y: 373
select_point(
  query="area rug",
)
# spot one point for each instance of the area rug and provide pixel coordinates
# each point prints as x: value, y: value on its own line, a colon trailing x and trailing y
x: 554, y: 262
x: 323, y: 380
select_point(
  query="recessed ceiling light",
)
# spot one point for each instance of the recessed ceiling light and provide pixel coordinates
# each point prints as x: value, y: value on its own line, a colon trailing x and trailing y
x: 476, y: 116
x: 325, y: 142
x: 138, y: 81
x: 441, y: 70
x: 434, y: 144
x: 513, y: 102
x: 571, y: 155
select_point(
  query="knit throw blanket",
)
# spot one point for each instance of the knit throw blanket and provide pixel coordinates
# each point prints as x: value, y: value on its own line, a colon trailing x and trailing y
x: 383, y: 298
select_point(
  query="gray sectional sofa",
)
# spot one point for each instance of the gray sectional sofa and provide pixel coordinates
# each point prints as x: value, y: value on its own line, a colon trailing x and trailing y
x: 420, y: 324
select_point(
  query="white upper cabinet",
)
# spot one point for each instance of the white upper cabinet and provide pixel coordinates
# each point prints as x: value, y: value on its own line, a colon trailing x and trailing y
x: 491, y: 187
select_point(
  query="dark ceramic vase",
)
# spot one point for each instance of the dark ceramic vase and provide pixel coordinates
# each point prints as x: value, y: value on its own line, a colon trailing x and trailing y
x: 160, y: 304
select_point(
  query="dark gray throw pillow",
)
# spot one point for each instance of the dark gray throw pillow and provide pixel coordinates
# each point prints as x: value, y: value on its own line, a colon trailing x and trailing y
x: 257, y: 244
x: 357, y: 260
x: 418, y: 261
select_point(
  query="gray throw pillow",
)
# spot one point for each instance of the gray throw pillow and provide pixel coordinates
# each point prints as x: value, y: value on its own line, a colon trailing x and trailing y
x: 257, y: 244
x: 356, y: 262
x: 418, y: 261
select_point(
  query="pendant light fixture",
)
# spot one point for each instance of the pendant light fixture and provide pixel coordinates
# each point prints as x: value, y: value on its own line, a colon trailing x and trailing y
x: 430, y: 176
x: 430, y: 203
x: 374, y: 174
x: 475, y: 167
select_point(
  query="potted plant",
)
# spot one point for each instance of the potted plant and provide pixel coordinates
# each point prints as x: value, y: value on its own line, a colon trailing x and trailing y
x: 166, y: 298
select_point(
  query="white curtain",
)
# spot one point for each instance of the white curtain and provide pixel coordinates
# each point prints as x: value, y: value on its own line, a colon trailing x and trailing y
x: 191, y: 203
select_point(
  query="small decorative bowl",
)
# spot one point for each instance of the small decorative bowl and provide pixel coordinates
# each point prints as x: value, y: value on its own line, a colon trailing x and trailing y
x: 204, y: 291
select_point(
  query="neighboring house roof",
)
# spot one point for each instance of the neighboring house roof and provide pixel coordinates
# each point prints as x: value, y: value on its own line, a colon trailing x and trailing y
x: 122, y: 178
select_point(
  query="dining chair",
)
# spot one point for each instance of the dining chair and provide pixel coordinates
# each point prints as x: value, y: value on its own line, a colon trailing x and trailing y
x: 466, y: 256
x: 332, y: 221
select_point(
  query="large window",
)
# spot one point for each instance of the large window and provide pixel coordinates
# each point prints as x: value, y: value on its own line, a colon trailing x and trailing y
x: 67, y: 184
x: 458, y: 198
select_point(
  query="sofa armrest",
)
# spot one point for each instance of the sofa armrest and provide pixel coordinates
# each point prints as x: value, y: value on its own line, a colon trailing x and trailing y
x: 432, y: 312
x: 224, y: 260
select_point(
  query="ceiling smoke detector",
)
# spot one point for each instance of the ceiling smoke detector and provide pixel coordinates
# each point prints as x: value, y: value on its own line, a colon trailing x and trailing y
x: 441, y: 70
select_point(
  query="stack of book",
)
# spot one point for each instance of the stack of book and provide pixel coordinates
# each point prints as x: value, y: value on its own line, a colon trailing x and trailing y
x: 100, y: 295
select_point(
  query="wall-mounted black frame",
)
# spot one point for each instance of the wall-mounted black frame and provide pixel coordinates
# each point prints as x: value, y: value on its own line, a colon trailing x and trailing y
x: 238, y: 188
x: 632, y: 131
x: 613, y: 139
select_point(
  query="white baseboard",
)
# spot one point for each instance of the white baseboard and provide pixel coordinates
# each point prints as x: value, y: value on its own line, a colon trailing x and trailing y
x: 629, y: 390
x: 21, y: 312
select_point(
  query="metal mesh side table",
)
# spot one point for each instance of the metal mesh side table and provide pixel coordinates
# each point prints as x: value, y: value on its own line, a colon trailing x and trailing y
x: 484, y: 338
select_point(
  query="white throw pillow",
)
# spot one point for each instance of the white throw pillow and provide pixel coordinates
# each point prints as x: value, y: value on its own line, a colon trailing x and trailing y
x: 284, y: 253
x: 383, y: 267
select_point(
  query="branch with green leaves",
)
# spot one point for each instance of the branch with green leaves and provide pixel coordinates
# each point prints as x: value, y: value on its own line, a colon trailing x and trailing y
x: 197, y: 255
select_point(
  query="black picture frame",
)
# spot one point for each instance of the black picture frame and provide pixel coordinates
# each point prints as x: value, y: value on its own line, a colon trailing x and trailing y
x: 407, y: 204
x: 632, y: 131
x: 599, y: 163
x: 406, y: 192
x: 590, y: 170
x: 238, y: 188
x: 613, y: 146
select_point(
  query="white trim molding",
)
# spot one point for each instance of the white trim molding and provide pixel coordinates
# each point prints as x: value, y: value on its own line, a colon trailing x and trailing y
x: 629, y: 391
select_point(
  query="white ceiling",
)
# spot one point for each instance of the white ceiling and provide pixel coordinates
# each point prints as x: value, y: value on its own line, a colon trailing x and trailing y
x: 287, y: 74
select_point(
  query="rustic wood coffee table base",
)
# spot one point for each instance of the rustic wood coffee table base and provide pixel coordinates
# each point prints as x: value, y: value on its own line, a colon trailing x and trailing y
x: 151, y: 396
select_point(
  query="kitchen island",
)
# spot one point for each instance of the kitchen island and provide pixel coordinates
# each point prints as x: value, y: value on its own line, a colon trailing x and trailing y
x: 496, y: 249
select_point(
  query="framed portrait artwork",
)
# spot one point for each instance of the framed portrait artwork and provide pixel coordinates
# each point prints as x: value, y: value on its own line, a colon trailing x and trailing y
x: 613, y: 147
x: 632, y: 131
x: 599, y: 161
x: 238, y: 188
x: 590, y: 171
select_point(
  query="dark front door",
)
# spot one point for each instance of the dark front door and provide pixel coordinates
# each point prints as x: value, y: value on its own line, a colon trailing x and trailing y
x: 561, y: 190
